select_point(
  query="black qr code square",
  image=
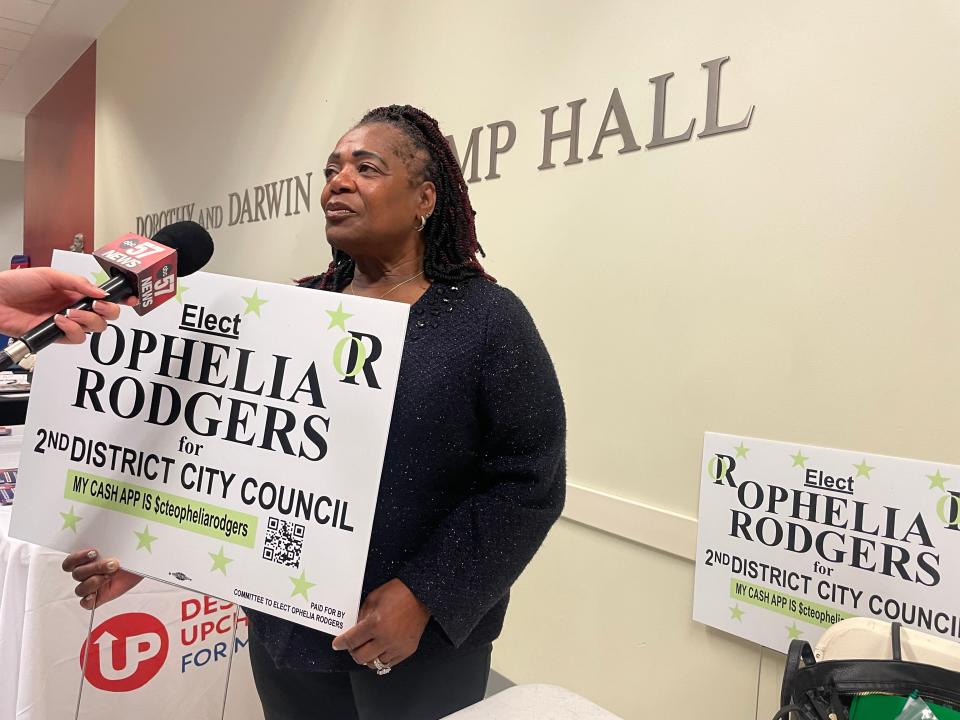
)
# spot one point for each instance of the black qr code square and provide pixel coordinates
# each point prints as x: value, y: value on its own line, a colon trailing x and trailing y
x: 284, y: 542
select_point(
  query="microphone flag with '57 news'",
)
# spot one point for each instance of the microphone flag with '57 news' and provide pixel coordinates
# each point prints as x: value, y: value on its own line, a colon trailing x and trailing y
x: 146, y: 268
x: 149, y: 268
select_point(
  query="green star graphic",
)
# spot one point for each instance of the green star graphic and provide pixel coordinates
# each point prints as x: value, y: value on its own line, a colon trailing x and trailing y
x: 742, y: 450
x: 338, y: 317
x: 253, y: 303
x: 736, y: 613
x: 794, y: 632
x: 937, y: 481
x: 99, y: 277
x: 70, y: 520
x: 863, y: 469
x: 799, y: 459
x: 181, y: 289
x: 220, y: 561
x: 145, y: 538
x: 301, y: 585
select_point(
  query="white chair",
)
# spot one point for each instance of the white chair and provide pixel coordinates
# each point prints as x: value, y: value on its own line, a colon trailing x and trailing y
x: 869, y: 639
x: 534, y: 702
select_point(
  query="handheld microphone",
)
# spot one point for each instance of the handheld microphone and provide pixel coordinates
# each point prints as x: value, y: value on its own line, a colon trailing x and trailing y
x: 137, y: 266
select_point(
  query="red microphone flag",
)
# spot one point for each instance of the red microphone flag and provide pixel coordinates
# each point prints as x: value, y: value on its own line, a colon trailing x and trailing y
x: 150, y: 266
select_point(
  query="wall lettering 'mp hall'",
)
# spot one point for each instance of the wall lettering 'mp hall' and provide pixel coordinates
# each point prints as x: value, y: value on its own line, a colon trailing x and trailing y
x: 500, y: 137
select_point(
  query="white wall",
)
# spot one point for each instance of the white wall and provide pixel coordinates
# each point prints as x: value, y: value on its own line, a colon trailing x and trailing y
x: 795, y: 281
x: 11, y: 210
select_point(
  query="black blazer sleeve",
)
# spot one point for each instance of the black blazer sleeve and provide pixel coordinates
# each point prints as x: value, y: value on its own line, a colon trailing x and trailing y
x: 470, y: 561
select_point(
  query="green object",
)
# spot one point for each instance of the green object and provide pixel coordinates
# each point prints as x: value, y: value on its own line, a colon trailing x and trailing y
x: 887, y: 707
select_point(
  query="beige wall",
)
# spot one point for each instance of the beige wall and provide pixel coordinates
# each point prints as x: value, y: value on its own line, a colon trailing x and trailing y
x: 795, y: 281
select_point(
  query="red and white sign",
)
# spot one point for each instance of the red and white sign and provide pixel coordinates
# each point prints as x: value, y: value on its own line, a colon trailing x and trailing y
x: 126, y: 652
x: 166, y: 656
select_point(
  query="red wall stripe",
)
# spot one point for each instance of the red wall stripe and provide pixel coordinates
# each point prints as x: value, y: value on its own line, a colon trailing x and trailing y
x: 59, y: 163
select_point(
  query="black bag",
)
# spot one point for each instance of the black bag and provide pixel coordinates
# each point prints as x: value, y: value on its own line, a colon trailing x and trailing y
x: 823, y: 690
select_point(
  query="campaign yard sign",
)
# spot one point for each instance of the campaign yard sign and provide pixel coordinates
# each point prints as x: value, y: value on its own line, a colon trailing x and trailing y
x: 793, y: 538
x: 231, y: 442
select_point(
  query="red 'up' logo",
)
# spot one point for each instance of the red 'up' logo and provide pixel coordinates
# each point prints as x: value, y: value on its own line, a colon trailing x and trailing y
x: 126, y: 652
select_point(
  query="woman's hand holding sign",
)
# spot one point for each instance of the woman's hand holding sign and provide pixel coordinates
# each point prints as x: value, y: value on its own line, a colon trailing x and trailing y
x: 391, y: 622
x: 94, y: 575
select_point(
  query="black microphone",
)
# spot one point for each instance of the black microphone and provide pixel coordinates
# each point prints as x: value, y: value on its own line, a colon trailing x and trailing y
x: 130, y: 275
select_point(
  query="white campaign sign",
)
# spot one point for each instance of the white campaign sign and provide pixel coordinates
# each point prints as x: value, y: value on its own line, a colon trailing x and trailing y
x: 794, y: 538
x: 230, y: 442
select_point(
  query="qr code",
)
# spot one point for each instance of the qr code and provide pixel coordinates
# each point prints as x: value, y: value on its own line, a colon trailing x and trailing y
x: 284, y: 542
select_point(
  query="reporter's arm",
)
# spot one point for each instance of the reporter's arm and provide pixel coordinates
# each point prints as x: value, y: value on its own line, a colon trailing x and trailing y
x: 31, y: 295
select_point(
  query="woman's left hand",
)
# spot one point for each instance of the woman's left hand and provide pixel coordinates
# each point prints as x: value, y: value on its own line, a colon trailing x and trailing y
x: 391, y: 622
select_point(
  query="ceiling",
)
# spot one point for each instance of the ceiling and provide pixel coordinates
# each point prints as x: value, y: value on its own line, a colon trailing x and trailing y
x: 39, y: 41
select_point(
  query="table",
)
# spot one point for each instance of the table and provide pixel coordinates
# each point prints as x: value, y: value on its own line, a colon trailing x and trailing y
x: 13, y: 407
x: 14, y: 396
x: 534, y: 702
x: 158, y: 651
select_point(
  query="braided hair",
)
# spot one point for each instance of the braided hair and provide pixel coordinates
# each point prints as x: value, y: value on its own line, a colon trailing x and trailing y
x: 450, y: 235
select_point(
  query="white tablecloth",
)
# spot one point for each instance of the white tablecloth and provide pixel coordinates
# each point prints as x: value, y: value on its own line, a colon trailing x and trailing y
x: 160, y: 652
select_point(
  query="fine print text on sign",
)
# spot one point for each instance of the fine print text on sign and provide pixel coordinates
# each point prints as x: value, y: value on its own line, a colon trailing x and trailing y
x: 231, y: 442
x: 794, y: 538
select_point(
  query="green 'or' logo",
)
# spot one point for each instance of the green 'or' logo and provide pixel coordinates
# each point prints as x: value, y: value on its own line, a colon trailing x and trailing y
x: 357, y: 356
x: 948, y: 510
x: 720, y: 467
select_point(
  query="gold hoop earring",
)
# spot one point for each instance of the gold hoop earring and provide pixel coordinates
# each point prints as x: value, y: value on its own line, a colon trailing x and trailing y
x: 423, y: 223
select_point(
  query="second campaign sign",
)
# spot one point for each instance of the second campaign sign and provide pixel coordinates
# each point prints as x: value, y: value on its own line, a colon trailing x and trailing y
x: 230, y: 442
x: 795, y: 538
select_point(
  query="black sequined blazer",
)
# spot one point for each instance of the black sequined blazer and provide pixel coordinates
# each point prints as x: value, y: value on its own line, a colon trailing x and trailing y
x: 473, y: 476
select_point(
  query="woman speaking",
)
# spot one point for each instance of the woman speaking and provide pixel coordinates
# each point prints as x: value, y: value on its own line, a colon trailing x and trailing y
x: 473, y: 475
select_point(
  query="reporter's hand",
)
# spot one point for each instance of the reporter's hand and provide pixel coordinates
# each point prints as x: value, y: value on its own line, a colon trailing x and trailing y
x: 93, y: 573
x: 31, y: 295
x: 391, y: 623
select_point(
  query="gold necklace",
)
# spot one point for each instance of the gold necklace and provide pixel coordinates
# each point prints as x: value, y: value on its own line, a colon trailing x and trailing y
x: 381, y: 297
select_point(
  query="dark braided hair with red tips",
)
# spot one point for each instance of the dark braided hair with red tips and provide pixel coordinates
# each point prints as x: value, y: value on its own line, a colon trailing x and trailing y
x: 450, y: 235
